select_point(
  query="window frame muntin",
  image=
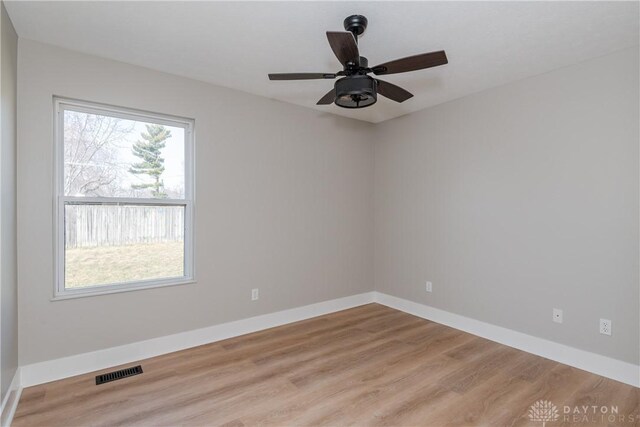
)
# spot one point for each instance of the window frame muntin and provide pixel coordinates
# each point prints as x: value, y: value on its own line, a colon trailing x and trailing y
x: 62, y: 104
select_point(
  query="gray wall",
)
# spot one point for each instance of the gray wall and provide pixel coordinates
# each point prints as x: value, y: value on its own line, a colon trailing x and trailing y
x: 517, y: 200
x: 8, y: 267
x: 284, y: 203
x: 512, y: 201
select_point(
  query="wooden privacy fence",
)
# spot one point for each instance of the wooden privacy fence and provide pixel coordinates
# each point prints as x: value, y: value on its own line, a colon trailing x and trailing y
x: 114, y: 225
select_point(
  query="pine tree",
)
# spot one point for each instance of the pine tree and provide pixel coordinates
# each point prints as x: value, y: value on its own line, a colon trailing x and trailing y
x: 149, y: 151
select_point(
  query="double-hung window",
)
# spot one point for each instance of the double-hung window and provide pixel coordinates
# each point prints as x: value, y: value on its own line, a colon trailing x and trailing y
x: 124, y: 199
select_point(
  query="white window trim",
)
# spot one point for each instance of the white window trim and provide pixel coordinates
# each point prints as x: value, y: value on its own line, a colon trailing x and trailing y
x: 59, y: 199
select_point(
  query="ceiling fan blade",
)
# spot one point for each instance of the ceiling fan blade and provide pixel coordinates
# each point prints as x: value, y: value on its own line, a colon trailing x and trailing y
x: 412, y: 63
x: 328, y: 98
x: 393, y: 92
x: 301, y: 76
x: 344, y: 46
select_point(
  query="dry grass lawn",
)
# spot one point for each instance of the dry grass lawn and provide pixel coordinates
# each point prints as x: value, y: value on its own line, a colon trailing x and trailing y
x: 114, y: 264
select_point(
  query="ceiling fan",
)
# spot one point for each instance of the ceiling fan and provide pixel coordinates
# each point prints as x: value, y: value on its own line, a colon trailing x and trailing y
x: 356, y: 89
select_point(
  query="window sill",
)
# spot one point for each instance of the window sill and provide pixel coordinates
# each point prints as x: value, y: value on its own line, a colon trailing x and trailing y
x: 106, y: 290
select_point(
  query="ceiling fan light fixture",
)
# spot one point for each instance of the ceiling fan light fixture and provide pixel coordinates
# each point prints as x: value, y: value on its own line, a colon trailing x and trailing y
x: 357, y: 91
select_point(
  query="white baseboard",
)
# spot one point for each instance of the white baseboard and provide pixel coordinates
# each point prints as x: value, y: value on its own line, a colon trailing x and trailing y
x: 11, y: 399
x: 42, y: 372
x: 51, y: 370
x: 607, y: 367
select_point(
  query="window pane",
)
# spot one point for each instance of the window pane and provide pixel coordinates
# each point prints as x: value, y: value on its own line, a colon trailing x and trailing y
x: 107, y: 244
x: 113, y: 157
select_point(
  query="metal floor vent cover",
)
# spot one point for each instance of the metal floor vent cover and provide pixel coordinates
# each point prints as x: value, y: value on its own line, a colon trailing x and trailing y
x: 117, y: 375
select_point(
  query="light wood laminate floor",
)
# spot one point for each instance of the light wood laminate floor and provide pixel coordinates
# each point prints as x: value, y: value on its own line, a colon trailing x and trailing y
x: 367, y: 366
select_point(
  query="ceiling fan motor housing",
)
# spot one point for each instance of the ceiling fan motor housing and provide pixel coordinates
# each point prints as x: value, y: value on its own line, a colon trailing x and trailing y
x: 356, y: 91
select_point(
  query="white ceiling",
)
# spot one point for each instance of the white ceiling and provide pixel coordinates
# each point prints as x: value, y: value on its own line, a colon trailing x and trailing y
x: 235, y: 44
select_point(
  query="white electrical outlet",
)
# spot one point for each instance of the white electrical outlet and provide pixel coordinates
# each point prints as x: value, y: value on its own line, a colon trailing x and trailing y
x: 429, y: 287
x: 557, y: 315
x: 605, y: 326
x: 255, y: 294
